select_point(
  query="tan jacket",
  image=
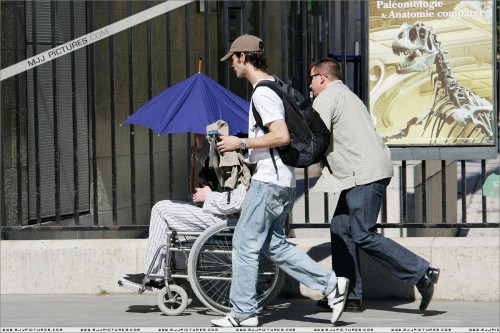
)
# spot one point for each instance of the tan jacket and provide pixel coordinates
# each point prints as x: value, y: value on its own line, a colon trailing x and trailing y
x: 230, y: 167
x: 357, y: 154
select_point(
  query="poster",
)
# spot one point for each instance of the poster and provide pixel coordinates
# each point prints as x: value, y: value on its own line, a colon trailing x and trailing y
x: 431, y: 72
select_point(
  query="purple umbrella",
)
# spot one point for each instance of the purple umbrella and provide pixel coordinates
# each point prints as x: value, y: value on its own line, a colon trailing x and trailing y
x: 190, y: 105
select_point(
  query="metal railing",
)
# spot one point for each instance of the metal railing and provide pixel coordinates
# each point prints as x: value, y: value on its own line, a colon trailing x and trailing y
x: 110, y: 146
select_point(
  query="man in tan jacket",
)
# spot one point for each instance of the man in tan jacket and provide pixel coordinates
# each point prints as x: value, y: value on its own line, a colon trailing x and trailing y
x: 360, y: 168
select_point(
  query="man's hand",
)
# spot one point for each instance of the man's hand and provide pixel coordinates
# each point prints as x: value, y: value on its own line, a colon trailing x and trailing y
x: 277, y: 136
x: 228, y: 143
x: 201, y: 193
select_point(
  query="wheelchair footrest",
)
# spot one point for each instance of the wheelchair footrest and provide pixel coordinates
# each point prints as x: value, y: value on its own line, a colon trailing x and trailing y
x: 134, y: 286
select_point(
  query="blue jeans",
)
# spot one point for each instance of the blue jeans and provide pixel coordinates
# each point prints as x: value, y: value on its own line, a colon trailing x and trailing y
x: 261, y: 228
x: 353, y: 227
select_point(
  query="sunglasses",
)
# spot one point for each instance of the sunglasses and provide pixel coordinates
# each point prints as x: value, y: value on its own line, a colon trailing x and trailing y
x: 312, y: 76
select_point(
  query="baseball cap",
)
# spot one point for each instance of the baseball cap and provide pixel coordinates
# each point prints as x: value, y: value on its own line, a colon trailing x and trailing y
x: 245, y: 43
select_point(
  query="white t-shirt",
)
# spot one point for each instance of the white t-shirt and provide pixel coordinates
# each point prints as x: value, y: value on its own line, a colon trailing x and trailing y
x: 270, y: 108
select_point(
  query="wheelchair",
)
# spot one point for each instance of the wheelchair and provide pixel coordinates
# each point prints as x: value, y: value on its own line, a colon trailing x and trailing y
x: 200, y: 263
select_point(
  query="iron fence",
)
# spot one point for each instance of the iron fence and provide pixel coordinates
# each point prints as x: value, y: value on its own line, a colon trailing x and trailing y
x: 129, y: 64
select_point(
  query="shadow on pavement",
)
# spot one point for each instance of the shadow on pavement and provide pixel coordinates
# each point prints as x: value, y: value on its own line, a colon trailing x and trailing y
x: 393, y: 306
x: 143, y: 308
x: 283, y: 310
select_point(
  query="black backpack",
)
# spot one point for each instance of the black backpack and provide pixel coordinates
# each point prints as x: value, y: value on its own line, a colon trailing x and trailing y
x: 309, y: 136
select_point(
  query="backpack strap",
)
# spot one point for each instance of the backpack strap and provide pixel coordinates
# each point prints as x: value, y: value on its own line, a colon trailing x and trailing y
x: 326, y: 164
x: 258, y: 123
x: 274, y: 86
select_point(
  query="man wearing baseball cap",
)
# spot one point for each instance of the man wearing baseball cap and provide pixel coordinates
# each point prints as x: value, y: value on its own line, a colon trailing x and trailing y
x: 245, y: 43
x: 268, y: 201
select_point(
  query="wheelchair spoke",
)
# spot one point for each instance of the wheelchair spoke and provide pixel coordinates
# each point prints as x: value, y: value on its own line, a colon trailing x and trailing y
x: 218, y: 290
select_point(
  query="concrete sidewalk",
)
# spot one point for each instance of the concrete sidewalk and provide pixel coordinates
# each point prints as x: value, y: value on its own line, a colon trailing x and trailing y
x: 132, y: 310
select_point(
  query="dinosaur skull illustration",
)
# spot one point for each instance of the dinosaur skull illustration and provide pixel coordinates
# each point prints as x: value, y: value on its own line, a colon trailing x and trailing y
x: 457, y: 114
x: 412, y: 40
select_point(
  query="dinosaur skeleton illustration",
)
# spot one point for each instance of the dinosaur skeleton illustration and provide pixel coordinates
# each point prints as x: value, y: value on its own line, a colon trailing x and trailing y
x: 457, y: 114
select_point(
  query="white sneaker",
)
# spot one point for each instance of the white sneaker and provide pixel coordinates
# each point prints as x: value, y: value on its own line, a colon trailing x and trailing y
x: 338, y: 297
x: 229, y: 321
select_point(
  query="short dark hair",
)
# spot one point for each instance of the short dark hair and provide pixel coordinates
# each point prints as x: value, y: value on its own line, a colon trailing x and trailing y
x: 257, y: 59
x: 329, y: 67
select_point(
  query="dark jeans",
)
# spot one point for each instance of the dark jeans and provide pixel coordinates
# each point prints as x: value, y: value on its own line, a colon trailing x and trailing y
x: 353, y: 227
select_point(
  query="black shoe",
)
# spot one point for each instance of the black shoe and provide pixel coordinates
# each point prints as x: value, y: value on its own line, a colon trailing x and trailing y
x: 142, y: 275
x: 135, y: 278
x: 158, y: 284
x: 426, y: 286
x: 354, y: 305
x: 351, y: 305
x: 139, y: 278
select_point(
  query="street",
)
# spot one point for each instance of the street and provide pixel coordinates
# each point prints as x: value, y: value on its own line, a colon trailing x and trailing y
x: 131, y: 310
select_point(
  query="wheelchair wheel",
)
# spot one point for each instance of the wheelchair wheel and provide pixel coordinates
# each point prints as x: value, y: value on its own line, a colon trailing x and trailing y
x: 173, y: 306
x: 209, y: 270
x: 187, y: 288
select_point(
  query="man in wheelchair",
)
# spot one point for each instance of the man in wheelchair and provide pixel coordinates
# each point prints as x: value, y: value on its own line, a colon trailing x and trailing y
x: 208, y: 207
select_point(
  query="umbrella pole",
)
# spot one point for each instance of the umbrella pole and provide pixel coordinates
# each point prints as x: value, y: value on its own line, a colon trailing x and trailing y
x: 193, y: 150
x: 193, y: 165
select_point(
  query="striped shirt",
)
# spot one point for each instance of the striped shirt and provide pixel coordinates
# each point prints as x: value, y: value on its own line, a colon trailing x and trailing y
x: 357, y: 154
